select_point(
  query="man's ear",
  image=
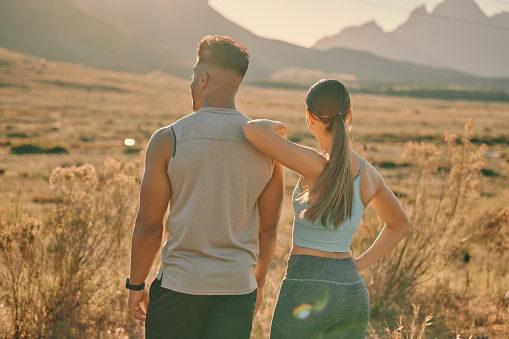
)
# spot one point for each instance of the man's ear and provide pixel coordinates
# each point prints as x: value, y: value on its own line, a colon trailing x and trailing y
x: 204, y: 79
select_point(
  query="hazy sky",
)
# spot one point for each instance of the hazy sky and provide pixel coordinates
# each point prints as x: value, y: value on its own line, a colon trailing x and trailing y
x: 303, y: 22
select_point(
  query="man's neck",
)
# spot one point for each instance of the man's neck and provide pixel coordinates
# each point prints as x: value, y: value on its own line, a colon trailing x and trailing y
x: 220, y: 102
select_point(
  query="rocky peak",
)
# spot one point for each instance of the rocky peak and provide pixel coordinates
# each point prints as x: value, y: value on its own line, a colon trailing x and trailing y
x: 464, y: 9
x: 420, y: 10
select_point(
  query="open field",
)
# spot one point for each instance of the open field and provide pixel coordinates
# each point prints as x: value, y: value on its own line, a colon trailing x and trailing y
x: 75, y: 116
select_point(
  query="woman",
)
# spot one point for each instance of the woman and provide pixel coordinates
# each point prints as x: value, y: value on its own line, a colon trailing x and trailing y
x: 323, y: 295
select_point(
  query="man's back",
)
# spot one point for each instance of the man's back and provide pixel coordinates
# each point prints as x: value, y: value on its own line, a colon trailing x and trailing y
x: 225, y: 201
x: 216, y: 179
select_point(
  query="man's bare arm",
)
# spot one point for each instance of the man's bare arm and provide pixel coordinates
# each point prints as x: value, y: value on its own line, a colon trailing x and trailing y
x: 269, y: 210
x: 147, y: 235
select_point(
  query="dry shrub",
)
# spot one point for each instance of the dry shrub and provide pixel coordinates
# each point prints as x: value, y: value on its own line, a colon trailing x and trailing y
x: 472, y: 297
x: 22, y: 268
x: 494, y: 230
x: 91, y: 229
x: 445, y: 189
x: 68, y: 272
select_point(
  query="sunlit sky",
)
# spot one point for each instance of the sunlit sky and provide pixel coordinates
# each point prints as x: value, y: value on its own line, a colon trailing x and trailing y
x: 303, y: 22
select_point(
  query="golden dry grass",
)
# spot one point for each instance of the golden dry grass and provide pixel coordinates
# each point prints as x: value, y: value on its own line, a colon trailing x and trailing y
x: 91, y: 112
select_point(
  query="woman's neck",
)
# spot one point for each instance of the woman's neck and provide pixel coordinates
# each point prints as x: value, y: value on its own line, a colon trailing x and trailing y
x: 325, y: 143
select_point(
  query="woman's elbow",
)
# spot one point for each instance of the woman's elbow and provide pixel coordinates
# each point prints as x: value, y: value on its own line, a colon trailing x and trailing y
x: 405, y: 226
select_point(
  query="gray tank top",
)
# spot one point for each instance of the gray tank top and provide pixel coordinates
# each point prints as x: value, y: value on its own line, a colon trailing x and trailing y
x: 315, y: 235
x: 216, y: 178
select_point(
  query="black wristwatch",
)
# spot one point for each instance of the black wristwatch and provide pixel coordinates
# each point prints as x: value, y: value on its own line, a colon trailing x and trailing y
x: 134, y: 287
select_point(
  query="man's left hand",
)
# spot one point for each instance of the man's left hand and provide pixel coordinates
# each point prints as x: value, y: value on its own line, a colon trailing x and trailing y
x: 137, y: 303
x: 259, y: 300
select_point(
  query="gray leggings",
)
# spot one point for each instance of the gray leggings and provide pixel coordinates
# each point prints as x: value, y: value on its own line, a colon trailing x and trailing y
x: 321, y: 298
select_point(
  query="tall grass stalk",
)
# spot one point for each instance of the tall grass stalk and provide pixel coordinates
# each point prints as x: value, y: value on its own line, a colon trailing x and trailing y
x: 415, y: 330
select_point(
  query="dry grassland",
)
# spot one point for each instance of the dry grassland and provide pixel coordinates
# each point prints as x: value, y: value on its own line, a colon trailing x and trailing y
x: 89, y: 113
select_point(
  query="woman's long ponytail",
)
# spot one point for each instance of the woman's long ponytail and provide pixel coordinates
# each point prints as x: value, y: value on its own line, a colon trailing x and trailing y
x: 334, y: 188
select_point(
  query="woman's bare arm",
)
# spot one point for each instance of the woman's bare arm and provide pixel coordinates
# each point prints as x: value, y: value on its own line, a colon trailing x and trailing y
x: 269, y: 137
x: 397, y: 225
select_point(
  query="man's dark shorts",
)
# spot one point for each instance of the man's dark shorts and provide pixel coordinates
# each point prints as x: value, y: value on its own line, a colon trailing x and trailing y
x: 174, y: 315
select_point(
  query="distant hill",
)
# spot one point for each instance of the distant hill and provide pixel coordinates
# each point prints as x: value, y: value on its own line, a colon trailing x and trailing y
x: 143, y: 35
x: 437, y: 40
x: 58, y: 30
x: 180, y: 25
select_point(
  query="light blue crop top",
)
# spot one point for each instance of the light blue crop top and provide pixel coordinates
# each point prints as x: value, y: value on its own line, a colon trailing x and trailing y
x: 314, y: 235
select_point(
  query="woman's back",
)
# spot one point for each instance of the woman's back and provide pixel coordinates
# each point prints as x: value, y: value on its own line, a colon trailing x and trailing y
x: 315, y: 235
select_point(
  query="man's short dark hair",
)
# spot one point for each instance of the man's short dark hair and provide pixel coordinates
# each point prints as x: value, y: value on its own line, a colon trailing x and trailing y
x: 224, y: 52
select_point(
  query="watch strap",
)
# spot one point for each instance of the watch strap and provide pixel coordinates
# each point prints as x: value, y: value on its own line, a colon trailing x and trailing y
x: 134, y: 287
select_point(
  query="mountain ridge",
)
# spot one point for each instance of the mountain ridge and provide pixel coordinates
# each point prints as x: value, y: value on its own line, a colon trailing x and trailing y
x: 182, y: 28
x: 30, y: 27
x: 441, y: 38
x: 144, y: 35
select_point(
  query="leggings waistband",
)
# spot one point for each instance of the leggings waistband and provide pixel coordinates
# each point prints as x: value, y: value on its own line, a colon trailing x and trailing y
x: 336, y: 271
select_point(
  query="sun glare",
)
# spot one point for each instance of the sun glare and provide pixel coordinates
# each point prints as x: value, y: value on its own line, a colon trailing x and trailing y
x: 129, y: 142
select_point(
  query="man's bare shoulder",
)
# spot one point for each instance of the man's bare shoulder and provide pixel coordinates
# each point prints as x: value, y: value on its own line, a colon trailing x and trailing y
x: 161, y: 143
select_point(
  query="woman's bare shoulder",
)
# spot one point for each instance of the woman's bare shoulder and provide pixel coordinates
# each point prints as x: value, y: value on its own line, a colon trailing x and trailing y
x: 371, y: 180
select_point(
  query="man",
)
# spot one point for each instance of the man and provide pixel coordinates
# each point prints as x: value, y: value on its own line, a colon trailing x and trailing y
x: 225, y: 202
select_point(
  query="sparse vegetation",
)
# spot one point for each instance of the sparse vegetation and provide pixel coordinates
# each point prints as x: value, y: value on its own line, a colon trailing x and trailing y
x: 22, y: 264
x: 416, y: 329
x: 17, y: 135
x: 27, y: 149
x: 490, y: 173
x: 87, y: 87
x: 390, y: 164
x: 439, y: 205
x: 6, y: 84
x: 436, y: 93
x: 492, y: 141
x: 454, y: 265
x: 132, y: 150
x: 63, y: 276
x: 415, y: 92
x: 33, y: 149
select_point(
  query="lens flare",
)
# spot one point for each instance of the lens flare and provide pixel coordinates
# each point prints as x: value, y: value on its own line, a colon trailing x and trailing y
x: 302, y: 311
x: 307, y: 307
x: 320, y: 304
x: 129, y: 142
